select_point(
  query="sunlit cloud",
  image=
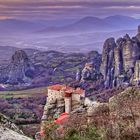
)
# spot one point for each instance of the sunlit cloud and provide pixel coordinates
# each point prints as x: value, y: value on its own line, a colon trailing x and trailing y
x: 124, y: 7
x: 3, y: 17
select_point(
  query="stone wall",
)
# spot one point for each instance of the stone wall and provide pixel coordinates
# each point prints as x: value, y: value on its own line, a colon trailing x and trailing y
x: 53, y: 109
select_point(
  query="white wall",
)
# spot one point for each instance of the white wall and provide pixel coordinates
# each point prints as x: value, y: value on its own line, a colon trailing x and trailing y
x: 76, y: 97
x: 68, y: 104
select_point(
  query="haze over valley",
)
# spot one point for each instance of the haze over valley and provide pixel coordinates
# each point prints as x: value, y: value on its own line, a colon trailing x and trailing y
x: 82, y: 35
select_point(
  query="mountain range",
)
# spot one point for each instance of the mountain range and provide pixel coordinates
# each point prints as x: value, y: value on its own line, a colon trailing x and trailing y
x: 110, y: 23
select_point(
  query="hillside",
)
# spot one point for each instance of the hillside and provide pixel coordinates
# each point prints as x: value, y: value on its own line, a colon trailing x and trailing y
x: 32, y: 68
x: 116, y: 119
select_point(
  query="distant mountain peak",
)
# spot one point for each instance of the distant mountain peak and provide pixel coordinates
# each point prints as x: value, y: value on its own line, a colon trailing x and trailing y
x: 119, y: 17
x: 89, y: 19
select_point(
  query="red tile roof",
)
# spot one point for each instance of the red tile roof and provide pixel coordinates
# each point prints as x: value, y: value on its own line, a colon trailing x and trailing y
x: 60, y: 87
x: 56, y: 87
x: 67, y: 89
x: 79, y: 91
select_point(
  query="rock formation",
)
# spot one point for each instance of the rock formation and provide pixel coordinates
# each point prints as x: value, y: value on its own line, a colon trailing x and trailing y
x: 119, y: 59
x: 138, y: 35
x: 9, y: 131
x: 121, y: 114
x: 19, y: 71
x: 88, y: 73
x: 136, y: 78
x: 8, y: 134
x: 107, y: 66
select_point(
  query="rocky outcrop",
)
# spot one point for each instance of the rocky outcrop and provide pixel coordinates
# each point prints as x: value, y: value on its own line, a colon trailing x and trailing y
x: 53, y: 109
x: 120, y: 117
x: 9, y: 131
x: 6, y: 122
x: 126, y: 104
x: 97, y: 108
x: 125, y: 109
x: 119, y: 59
x: 19, y: 71
x: 88, y: 73
x: 8, y: 134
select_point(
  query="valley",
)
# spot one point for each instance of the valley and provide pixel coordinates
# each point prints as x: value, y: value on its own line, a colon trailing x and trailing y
x: 70, y: 57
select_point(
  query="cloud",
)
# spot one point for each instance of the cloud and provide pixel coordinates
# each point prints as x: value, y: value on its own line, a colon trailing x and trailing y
x: 66, y: 8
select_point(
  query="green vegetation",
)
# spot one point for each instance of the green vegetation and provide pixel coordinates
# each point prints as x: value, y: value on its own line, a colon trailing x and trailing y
x: 91, y: 133
x: 24, y: 107
x: 23, y: 93
x: 88, y: 133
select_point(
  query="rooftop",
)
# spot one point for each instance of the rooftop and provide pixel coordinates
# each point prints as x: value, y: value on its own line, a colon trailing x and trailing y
x: 60, y: 87
x: 67, y: 89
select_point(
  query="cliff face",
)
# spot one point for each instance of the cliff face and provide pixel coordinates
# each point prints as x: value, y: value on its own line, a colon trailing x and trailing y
x: 119, y: 59
x: 131, y: 53
x: 107, y: 66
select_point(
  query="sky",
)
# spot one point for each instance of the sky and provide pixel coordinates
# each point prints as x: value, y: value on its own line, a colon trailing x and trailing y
x: 67, y: 9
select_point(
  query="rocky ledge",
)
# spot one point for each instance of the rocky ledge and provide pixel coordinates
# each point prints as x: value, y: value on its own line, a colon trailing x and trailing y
x: 9, y: 131
x: 8, y: 134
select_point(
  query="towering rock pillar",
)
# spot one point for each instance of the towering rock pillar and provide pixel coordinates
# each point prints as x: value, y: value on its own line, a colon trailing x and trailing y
x: 19, y: 71
x: 118, y: 57
x: 138, y: 34
x: 130, y: 53
x: 107, y: 66
x: 136, y: 78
